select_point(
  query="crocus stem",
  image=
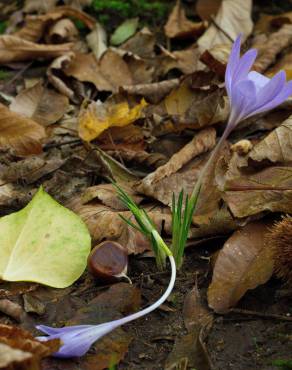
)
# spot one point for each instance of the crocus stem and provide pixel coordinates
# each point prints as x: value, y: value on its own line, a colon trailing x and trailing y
x: 155, y: 305
x: 212, y: 157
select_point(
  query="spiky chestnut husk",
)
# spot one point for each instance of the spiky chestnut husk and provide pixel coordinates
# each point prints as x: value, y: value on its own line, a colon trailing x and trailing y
x: 280, y: 239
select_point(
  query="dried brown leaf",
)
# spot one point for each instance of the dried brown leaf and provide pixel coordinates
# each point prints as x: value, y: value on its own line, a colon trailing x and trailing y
x: 62, y: 31
x: 152, y: 92
x: 97, y: 40
x: 15, y: 49
x: 276, y: 147
x: 153, y: 184
x: 207, y: 9
x: 269, y: 48
x: 233, y: 17
x: 36, y: 103
x: 31, y: 6
x: 36, y: 25
x: 20, y: 133
x: 107, y: 74
x: 105, y: 223
x: 178, y: 26
x: 245, y: 262
x: 54, y: 70
x: 20, y: 350
x: 141, y: 44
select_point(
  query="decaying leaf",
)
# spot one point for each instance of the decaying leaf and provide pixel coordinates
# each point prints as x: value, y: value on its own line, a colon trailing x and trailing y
x: 190, y: 350
x: 15, y: 49
x: 98, y: 117
x: 233, y: 17
x: 19, y: 350
x: 107, y: 74
x: 105, y: 223
x: 178, y: 26
x: 201, y: 143
x: 31, y: 6
x: 119, y: 299
x: 244, y: 262
x: 284, y: 64
x: 37, y: 102
x: 155, y: 183
x: 97, y: 41
x: 35, y: 26
x: 19, y: 133
x: 276, y: 147
x: 62, y: 31
x: 36, y: 243
x: 269, y: 48
x: 207, y: 9
x: 141, y: 44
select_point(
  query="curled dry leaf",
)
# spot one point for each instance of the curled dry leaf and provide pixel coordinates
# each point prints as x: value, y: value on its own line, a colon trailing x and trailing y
x: 62, y: 31
x: 178, y: 26
x: 20, y: 350
x: 269, y: 48
x: 21, y: 134
x: 207, y: 9
x: 31, y: 6
x: 35, y: 26
x: 107, y: 74
x: 276, y: 147
x: 152, y: 92
x: 151, y: 184
x: 100, y: 116
x: 191, y: 348
x: 58, y: 65
x: 15, y: 49
x: 244, y: 262
x: 104, y: 223
x: 97, y: 40
x: 36, y: 103
x: 233, y: 18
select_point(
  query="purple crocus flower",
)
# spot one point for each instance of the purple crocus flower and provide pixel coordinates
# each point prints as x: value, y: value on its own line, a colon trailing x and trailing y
x: 76, y: 340
x: 250, y: 92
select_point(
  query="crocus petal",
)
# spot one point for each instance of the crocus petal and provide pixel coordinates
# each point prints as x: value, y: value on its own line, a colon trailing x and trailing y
x: 232, y: 63
x: 258, y: 79
x: 52, y: 331
x: 269, y: 93
x: 244, y: 96
x: 278, y: 99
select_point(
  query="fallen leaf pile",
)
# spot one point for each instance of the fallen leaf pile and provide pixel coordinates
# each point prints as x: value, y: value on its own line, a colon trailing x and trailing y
x: 83, y: 103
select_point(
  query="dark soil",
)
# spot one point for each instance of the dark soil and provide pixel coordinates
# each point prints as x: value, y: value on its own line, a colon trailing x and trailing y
x: 236, y: 341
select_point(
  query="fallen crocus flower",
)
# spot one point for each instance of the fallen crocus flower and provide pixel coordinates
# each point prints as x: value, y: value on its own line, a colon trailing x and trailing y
x: 76, y: 340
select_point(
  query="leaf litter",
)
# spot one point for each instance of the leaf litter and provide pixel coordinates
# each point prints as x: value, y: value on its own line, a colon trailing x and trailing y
x: 144, y: 106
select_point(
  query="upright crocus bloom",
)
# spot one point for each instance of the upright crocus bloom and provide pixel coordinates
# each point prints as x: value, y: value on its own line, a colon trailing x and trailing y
x: 250, y: 92
x: 76, y: 340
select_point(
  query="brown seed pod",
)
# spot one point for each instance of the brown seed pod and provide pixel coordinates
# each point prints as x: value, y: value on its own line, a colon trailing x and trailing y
x: 108, y: 261
x: 280, y: 239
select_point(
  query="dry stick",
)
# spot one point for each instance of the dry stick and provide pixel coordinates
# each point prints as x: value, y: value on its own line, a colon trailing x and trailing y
x: 260, y: 314
x: 221, y: 29
x: 18, y: 74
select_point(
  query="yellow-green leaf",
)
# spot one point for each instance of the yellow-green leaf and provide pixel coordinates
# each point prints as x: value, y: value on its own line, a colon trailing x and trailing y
x: 44, y: 243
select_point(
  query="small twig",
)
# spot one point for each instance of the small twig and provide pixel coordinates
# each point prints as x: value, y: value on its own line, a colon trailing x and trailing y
x: 256, y: 187
x: 15, y: 77
x: 221, y: 29
x: 57, y: 145
x: 115, y: 148
x: 263, y: 315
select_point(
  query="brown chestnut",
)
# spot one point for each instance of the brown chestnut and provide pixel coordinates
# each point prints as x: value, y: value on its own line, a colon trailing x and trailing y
x: 108, y: 261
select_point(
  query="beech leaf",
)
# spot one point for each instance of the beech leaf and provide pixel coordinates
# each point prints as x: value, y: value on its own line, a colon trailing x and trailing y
x: 244, y: 262
x: 44, y: 243
x: 19, y: 133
